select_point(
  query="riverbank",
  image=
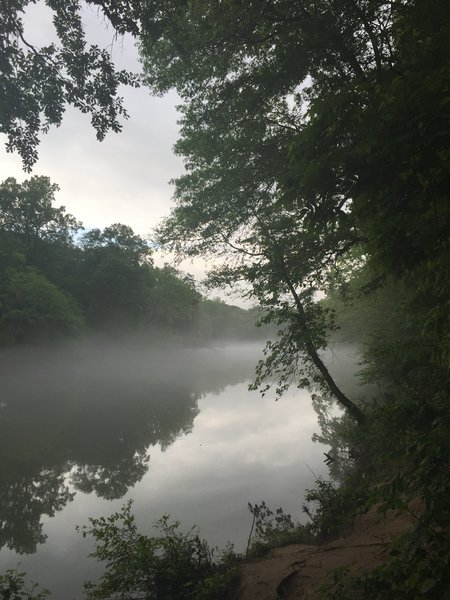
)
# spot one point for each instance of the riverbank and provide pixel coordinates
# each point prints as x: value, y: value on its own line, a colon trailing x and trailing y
x: 302, y: 571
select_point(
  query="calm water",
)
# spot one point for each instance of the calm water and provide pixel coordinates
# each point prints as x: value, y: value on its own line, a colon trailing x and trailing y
x: 83, y: 429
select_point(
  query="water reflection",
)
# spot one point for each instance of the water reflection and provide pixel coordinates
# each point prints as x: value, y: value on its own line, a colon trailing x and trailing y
x: 23, y: 501
x: 82, y: 419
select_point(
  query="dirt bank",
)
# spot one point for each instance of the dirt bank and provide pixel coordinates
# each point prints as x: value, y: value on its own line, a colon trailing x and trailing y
x: 298, y: 571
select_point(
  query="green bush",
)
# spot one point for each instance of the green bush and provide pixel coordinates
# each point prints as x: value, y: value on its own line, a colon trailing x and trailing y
x: 172, y: 566
x: 331, y: 509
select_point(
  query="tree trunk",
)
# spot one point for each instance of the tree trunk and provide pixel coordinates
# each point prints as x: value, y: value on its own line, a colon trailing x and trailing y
x: 350, y: 406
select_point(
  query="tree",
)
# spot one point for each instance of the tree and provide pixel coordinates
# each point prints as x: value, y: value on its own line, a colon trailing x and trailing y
x: 32, y: 227
x: 33, y: 309
x: 27, y: 211
x: 38, y: 83
x: 285, y: 263
x: 121, y: 239
x: 115, y: 278
x: 221, y: 321
x: 285, y: 109
x: 243, y: 108
x: 174, y: 298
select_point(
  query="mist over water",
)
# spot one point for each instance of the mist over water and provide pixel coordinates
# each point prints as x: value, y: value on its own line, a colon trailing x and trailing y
x: 84, y: 427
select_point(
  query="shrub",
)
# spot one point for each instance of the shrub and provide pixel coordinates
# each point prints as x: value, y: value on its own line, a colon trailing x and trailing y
x: 172, y: 566
x: 331, y: 509
x: 13, y: 587
x: 271, y: 530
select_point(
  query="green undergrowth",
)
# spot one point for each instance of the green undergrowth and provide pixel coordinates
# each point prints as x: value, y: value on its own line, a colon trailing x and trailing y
x: 330, y: 510
x: 170, y: 566
x: 407, y: 440
x: 14, y: 587
x: 273, y: 529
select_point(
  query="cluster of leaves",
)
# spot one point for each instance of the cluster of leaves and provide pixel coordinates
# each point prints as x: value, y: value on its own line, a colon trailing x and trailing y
x: 38, y: 83
x: 175, y: 565
x: 13, y: 587
x: 331, y: 508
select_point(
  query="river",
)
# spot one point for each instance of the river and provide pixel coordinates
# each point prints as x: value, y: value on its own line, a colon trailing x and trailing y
x: 85, y: 427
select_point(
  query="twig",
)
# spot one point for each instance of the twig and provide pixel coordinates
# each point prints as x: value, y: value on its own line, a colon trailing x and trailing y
x: 250, y: 536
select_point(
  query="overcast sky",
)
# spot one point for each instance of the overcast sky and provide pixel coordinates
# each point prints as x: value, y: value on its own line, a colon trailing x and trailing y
x: 126, y: 177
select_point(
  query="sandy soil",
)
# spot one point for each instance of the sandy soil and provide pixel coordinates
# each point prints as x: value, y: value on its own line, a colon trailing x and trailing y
x: 298, y: 571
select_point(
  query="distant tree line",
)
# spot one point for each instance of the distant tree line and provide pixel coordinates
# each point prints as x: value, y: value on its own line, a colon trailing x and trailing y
x: 58, y: 280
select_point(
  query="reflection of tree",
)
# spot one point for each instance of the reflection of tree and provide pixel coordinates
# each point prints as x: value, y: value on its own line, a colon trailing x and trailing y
x: 98, y: 434
x: 91, y: 413
x: 111, y: 481
x: 23, y: 502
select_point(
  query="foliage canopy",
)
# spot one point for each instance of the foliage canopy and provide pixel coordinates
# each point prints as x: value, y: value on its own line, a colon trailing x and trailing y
x: 37, y: 83
x: 311, y: 133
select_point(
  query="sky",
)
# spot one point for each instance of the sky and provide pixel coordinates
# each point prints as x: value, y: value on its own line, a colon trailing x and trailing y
x: 126, y: 177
